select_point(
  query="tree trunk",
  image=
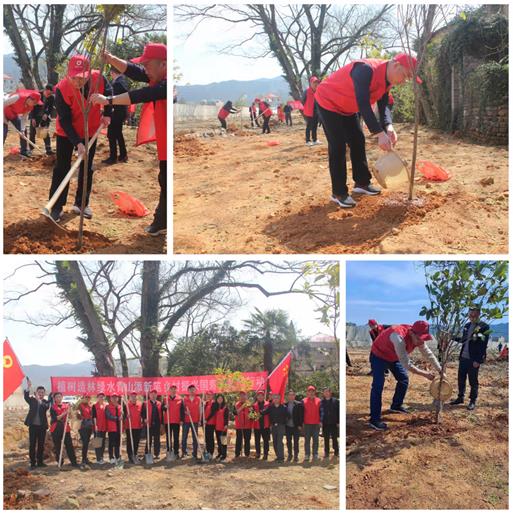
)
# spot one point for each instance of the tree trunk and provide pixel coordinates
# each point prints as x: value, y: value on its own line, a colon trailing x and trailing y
x: 70, y: 281
x: 150, y: 348
x: 268, y: 353
x: 54, y: 53
x: 122, y: 359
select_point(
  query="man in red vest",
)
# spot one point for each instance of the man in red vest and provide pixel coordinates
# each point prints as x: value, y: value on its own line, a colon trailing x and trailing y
x: 310, y: 112
x: 190, y: 415
x: 133, y: 425
x: 152, y: 416
x: 71, y: 95
x: 311, y: 422
x: 341, y: 98
x: 242, y: 425
x: 390, y: 351
x: 100, y: 425
x: 172, y: 412
x: 16, y: 106
x: 375, y: 330
x: 151, y: 67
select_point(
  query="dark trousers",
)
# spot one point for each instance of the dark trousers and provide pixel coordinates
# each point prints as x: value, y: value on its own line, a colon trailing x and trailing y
x: 311, y: 127
x: 136, y: 437
x: 378, y: 382
x: 154, y: 441
x: 115, y: 135
x: 265, y: 434
x: 85, y: 437
x: 288, y: 119
x: 466, y: 368
x: 278, y: 432
x: 37, y: 435
x: 174, y: 431
x: 17, y: 123
x: 68, y: 445
x: 100, y: 451
x: 33, y: 131
x: 221, y: 449
x: 265, y: 127
x: 243, y: 435
x: 341, y: 131
x: 292, y: 436
x: 160, y: 215
x: 64, y: 154
x: 209, y: 438
x: 330, y: 431
x: 223, y: 122
x: 114, y: 441
x: 254, y: 119
x: 185, y: 433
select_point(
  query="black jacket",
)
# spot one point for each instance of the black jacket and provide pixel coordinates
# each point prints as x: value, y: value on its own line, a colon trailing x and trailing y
x: 477, y: 344
x: 43, y: 408
x: 298, y: 413
x: 277, y: 414
x: 330, y: 411
x: 120, y: 86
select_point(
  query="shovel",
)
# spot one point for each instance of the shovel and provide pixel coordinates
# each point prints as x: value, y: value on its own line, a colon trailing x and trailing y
x: 135, y: 459
x: 206, y: 457
x: 63, y: 436
x: 120, y: 464
x: 170, y: 455
x: 148, y: 457
x: 47, y: 209
x: 27, y: 140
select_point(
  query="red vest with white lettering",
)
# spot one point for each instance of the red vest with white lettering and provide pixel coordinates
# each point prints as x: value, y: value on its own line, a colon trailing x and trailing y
x: 194, y: 407
x: 208, y: 410
x: 172, y: 413
x: 242, y: 420
x: 19, y: 108
x: 219, y: 418
x: 59, y: 410
x: 383, y: 348
x: 267, y: 422
x: 312, y: 409
x: 336, y: 93
x: 101, y: 420
x: 74, y: 99
x: 134, y: 412
x: 308, y: 107
x: 115, y: 411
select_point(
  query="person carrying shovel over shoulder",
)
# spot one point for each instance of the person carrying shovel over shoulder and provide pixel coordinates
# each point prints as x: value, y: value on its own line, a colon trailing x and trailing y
x: 350, y: 91
x: 390, y: 351
x: 151, y: 68
x: 16, y: 106
x: 226, y: 111
x: 72, y: 94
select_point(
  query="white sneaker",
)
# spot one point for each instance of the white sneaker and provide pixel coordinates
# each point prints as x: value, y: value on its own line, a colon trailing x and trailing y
x: 367, y: 190
x: 88, y: 212
x: 100, y: 462
x: 308, y: 143
x: 316, y: 143
x: 346, y: 201
x: 112, y: 461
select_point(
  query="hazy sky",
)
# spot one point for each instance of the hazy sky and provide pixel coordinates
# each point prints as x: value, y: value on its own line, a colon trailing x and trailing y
x: 60, y: 345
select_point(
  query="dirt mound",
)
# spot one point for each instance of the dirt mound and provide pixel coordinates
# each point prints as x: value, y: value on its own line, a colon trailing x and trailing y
x: 187, y: 147
x: 239, y: 132
x: 17, y: 483
x: 38, y: 237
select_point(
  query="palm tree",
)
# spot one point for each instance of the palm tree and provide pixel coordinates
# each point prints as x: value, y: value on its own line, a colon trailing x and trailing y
x: 272, y: 330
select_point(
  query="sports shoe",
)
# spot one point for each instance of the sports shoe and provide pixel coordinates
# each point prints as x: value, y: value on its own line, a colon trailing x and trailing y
x: 343, y: 201
x: 400, y: 409
x: 110, y: 161
x: 308, y: 144
x: 123, y: 159
x: 88, y: 213
x: 378, y: 426
x: 112, y: 461
x: 366, y: 190
x: 100, y: 462
x: 458, y: 400
x: 471, y: 406
x: 56, y: 215
x: 316, y: 143
x: 26, y: 153
x: 155, y: 229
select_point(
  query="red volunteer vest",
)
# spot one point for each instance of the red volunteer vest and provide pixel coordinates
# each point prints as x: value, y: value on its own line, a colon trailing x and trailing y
x: 134, y: 412
x: 256, y: 423
x: 223, y: 113
x: 242, y: 420
x: 383, y: 348
x: 19, y: 108
x: 194, y: 409
x: 153, y: 126
x: 219, y: 419
x: 149, y: 412
x: 336, y: 93
x: 115, y: 411
x: 74, y: 99
x: 86, y: 411
x: 308, y: 107
x: 172, y: 415
x: 59, y: 410
x: 265, y: 110
x: 101, y: 420
x: 208, y: 410
x: 312, y: 409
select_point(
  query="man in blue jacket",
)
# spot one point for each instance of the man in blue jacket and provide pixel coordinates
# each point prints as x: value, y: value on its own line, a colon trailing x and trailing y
x: 474, y: 341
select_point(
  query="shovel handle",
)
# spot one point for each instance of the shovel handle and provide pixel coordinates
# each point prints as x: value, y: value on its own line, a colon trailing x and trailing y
x: 26, y: 139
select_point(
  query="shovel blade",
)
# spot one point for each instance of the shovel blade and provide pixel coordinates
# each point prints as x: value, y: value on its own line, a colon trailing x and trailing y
x: 148, y: 459
x: 170, y: 456
x: 48, y: 218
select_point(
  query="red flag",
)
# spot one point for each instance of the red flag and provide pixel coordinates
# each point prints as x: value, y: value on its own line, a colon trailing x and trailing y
x: 279, y: 376
x: 13, y: 374
x: 146, y: 130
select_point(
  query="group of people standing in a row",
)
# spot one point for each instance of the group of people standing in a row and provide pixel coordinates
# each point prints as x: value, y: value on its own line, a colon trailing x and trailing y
x: 107, y: 420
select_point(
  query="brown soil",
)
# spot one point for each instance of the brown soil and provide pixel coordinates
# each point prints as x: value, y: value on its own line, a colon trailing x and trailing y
x: 235, y: 484
x: 275, y: 199
x: 26, y: 185
x: 417, y: 464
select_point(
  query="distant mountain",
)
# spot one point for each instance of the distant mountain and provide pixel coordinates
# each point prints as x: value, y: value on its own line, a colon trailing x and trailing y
x: 40, y: 374
x: 233, y: 90
x: 11, y: 68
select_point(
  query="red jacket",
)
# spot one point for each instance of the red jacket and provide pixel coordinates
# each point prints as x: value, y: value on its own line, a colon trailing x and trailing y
x: 312, y: 408
x: 256, y: 423
x: 383, y: 348
x: 208, y: 410
x: 74, y: 98
x: 265, y: 110
x: 221, y: 419
x: 86, y: 411
x: 308, y: 106
x: 19, y: 108
x: 112, y: 425
x: 59, y: 410
x: 194, y: 409
x: 336, y: 93
x: 242, y: 420
x: 134, y: 412
x: 173, y: 407
x: 101, y: 420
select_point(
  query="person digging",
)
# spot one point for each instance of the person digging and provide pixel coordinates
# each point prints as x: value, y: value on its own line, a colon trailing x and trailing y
x: 390, y: 351
x: 474, y: 342
x: 341, y: 99
x: 41, y: 116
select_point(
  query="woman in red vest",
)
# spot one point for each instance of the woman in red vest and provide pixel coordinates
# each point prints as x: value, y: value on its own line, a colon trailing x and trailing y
x: 226, y: 111
x: 390, y: 351
x: 17, y: 105
x: 113, y: 414
x: 151, y: 67
x: 100, y: 425
x: 242, y: 425
x: 341, y: 98
x: 210, y: 424
x: 133, y: 425
x: 261, y: 426
x: 220, y: 414
x: 311, y: 422
x: 59, y: 412
x: 310, y: 112
x: 172, y: 412
x: 85, y: 415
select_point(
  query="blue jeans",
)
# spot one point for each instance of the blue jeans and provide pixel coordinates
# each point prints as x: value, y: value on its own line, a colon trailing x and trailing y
x: 185, y: 433
x: 379, y: 367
